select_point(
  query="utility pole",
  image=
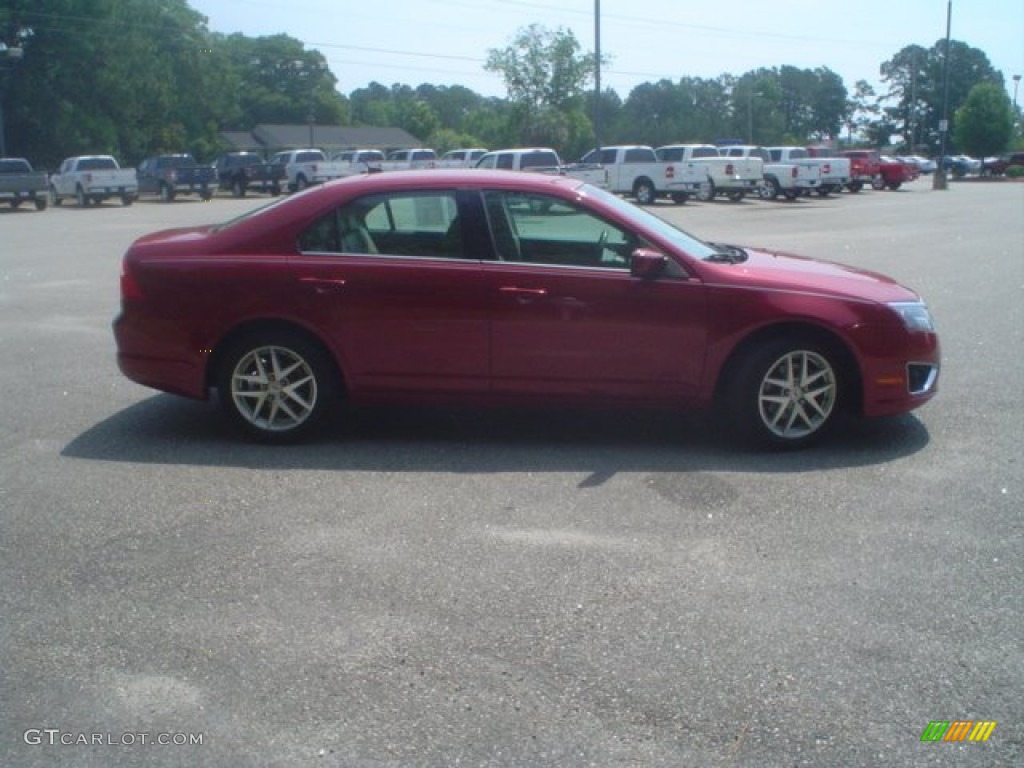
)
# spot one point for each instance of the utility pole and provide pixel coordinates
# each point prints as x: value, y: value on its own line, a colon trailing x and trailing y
x: 939, y: 177
x: 597, y: 73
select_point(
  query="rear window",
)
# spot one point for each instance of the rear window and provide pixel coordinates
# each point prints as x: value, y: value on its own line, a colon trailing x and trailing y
x: 704, y: 152
x: 15, y: 166
x: 538, y: 160
x: 97, y: 164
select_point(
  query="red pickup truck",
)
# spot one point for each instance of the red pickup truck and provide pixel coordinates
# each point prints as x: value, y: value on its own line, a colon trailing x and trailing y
x: 865, y: 167
x: 893, y: 173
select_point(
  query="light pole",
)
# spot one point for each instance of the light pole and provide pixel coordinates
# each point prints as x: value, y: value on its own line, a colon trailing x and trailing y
x: 10, y: 56
x: 1016, y: 114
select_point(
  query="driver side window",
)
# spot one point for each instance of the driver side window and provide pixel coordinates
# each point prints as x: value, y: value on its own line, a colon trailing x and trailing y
x: 540, y: 229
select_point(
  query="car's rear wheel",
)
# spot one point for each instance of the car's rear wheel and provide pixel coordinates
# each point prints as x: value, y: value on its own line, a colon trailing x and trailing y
x: 735, y: 197
x: 785, y: 394
x: 894, y: 185
x: 643, y: 191
x: 41, y: 202
x: 276, y: 386
x: 679, y: 198
x: 768, y: 189
x: 855, y: 186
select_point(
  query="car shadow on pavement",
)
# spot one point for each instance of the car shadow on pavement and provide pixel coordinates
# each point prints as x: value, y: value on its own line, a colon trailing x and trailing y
x: 164, y: 429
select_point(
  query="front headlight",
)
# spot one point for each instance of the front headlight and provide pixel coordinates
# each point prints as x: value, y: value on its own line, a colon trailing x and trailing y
x: 915, y: 315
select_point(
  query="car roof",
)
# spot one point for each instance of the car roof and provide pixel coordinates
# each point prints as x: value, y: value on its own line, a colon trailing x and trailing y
x: 455, y: 178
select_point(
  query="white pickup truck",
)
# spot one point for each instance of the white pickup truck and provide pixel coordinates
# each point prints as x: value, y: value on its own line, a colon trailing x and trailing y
x: 91, y: 179
x: 787, y: 179
x: 356, y: 161
x: 733, y: 177
x: 635, y: 170
x: 834, y: 171
x: 461, y: 158
x: 410, y: 160
x: 543, y: 160
x: 306, y: 167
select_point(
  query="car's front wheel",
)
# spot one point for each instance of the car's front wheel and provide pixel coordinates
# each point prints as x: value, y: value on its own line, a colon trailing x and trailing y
x: 785, y: 394
x: 276, y: 386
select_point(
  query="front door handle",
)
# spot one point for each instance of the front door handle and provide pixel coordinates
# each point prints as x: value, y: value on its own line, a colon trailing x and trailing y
x: 324, y: 285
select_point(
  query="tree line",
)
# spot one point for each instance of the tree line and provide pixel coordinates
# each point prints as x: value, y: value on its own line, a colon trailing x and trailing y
x: 137, y: 77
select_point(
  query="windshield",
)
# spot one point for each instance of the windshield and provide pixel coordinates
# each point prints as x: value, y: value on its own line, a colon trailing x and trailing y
x: 676, y: 237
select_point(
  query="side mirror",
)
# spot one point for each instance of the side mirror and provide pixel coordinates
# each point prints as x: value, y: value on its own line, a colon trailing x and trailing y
x: 647, y: 264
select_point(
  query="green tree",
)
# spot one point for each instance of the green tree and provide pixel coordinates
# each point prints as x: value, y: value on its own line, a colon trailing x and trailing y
x: 984, y: 124
x: 546, y: 75
x: 279, y: 81
x: 915, y: 77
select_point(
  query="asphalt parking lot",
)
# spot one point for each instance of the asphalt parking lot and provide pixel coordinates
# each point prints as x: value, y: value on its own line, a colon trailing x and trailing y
x: 464, y: 588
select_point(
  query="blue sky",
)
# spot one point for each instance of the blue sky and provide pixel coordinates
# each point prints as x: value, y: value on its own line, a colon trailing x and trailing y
x: 445, y: 42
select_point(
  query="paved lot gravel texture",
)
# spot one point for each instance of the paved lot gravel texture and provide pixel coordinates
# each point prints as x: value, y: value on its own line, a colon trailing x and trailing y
x: 447, y: 587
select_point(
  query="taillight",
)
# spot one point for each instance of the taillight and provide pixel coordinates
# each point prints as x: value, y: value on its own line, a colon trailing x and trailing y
x: 794, y: 173
x: 670, y: 171
x: 826, y: 169
x: 129, y: 287
x: 729, y: 170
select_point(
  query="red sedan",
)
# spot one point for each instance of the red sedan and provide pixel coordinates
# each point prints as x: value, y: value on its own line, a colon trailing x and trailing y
x: 498, y: 287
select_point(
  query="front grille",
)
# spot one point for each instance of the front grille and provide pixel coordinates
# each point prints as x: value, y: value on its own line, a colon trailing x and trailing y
x: 921, y: 377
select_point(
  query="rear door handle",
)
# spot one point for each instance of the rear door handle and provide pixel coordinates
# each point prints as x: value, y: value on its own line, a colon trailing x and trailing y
x: 324, y: 284
x: 516, y: 290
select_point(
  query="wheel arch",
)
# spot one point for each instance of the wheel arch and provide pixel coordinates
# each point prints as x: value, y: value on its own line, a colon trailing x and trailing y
x: 851, y: 395
x: 269, y: 325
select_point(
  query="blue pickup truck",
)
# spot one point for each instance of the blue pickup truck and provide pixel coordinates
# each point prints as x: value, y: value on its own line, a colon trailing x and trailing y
x: 168, y: 176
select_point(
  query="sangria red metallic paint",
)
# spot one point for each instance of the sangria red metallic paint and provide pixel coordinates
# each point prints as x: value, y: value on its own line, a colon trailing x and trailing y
x: 488, y: 286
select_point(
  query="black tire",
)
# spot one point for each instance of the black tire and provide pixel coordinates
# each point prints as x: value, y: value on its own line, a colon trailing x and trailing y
x: 785, y: 393
x: 41, y: 202
x: 166, y: 193
x: 643, y: 191
x: 127, y: 200
x: 275, y: 190
x: 894, y: 185
x: 54, y: 197
x: 278, y: 411
x: 15, y: 204
x: 791, y: 194
x: 735, y: 197
x: 824, y: 191
x: 707, y: 191
x: 680, y: 198
x: 768, y: 189
x: 855, y: 186
x: 238, y: 188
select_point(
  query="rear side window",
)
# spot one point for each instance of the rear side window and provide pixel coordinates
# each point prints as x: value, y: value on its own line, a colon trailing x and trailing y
x: 423, y: 224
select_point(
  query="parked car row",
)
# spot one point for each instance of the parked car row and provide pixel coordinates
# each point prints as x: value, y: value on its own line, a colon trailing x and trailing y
x: 676, y: 172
